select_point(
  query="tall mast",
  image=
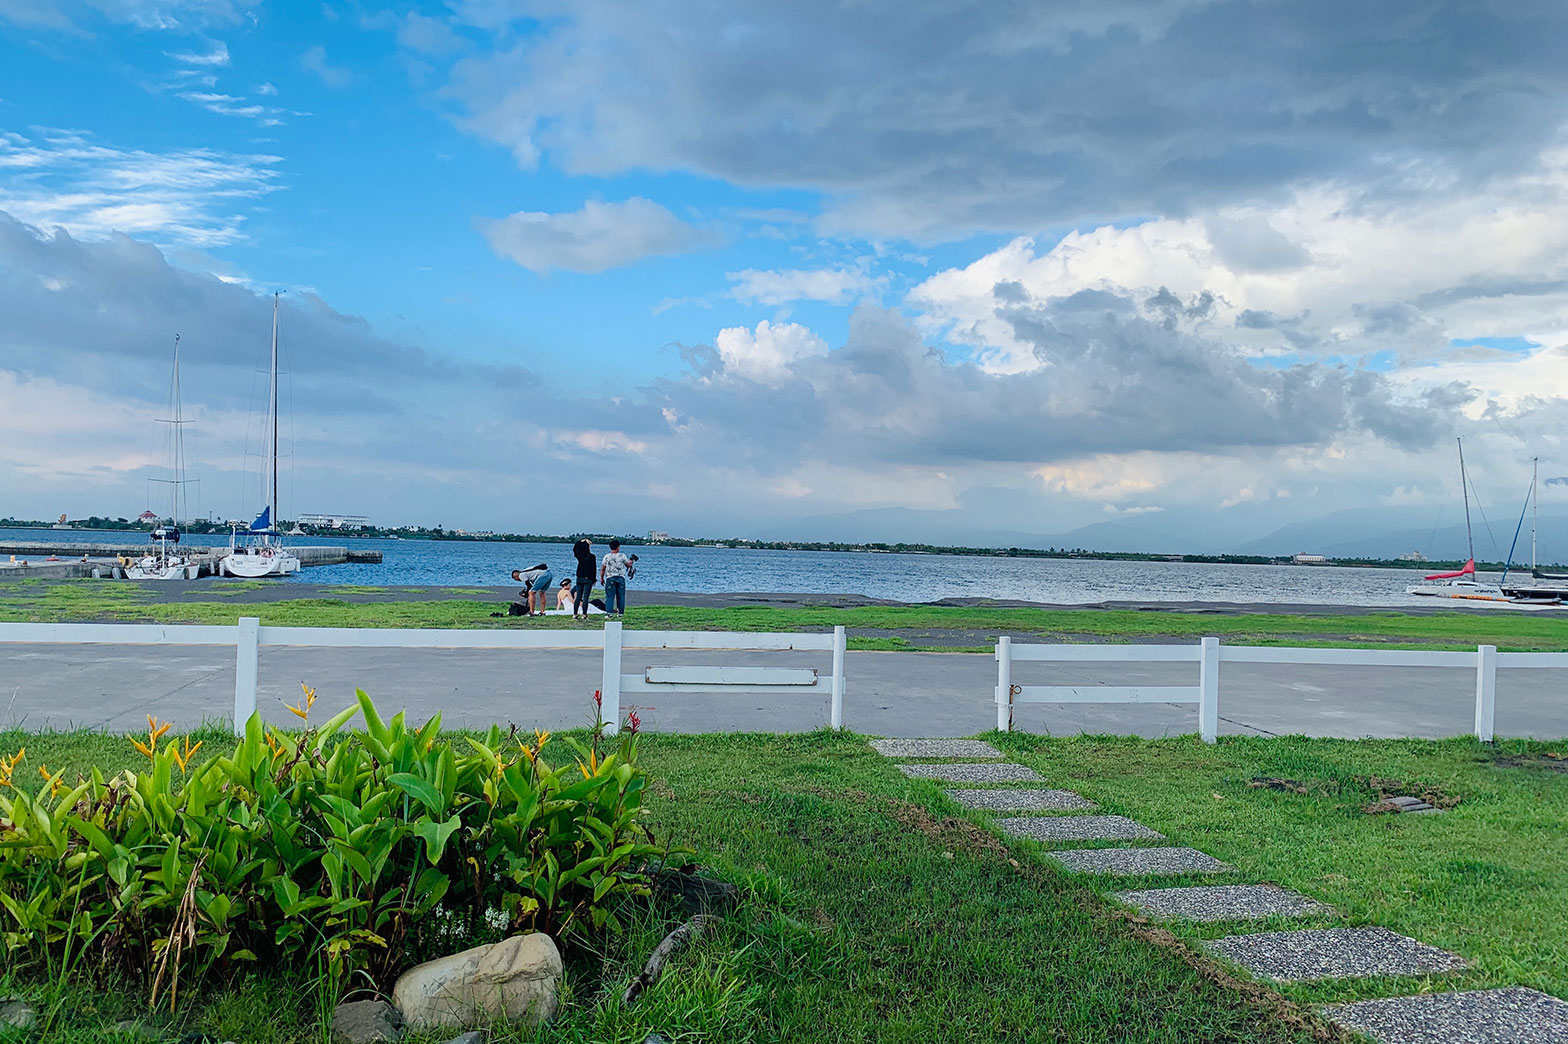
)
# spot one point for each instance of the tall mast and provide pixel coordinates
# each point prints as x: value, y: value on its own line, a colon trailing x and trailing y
x: 1464, y: 486
x: 179, y: 439
x: 273, y: 406
x: 1535, y: 506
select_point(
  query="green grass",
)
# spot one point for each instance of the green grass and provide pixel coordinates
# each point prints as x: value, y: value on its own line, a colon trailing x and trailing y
x: 1484, y: 879
x: 919, y: 627
x: 871, y: 915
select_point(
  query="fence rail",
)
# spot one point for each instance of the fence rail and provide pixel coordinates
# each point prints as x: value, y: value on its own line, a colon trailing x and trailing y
x: 1209, y: 654
x: 248, y: 637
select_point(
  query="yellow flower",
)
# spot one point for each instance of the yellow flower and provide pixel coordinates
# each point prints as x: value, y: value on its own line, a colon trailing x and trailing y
x: 183, y: 758
x: 593, y: 765
x: 52, y: 778
x: 541, y: 737
x: 302, y: 712
x: 154, y: 734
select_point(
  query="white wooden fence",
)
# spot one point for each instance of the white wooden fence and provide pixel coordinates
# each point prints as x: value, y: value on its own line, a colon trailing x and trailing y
x: 248, y: 637
x: 1208, y: 654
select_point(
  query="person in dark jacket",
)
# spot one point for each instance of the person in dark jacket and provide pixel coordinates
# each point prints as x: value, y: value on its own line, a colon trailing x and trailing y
x: 587, y: 568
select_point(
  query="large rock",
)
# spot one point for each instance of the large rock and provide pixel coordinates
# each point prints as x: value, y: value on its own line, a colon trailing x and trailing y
x: 366, y: 1022
x: 517, y: 979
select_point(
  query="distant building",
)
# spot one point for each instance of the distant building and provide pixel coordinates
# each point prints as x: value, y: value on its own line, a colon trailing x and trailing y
x: 658, y: 536
x: 147, y: 516
x: 1305, y: 559
x: 1412, y: 556
x: 334, y: 521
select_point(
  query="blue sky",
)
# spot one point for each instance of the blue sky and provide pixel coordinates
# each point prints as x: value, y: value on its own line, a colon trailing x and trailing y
x: 794, y: 268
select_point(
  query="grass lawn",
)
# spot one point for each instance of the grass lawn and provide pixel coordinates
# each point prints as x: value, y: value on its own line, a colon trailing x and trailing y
x: 871, y: 627
x: 873, y: 915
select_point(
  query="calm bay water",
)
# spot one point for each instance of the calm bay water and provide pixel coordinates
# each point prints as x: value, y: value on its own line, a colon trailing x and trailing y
x: 902, y: 577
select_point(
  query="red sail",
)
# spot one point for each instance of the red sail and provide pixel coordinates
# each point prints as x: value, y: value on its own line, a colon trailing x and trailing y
x: 1469, y: 569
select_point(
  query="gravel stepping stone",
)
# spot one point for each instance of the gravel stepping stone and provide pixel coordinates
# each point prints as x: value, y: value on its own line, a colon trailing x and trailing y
x: 1078, y: 828
x: 1514, y: 1015
x: 1003, y: 773
x: 1222, y: 903
x: 1333, y: 953
x: 934, y: 748
x: 1134, y: 862
x: 1023, y: 800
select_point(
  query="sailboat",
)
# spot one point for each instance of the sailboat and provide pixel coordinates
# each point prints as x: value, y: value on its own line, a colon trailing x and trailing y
x: 260, y: 552
x: 1554, y: 589
x: 165, y: 562
x: 1461, y: 583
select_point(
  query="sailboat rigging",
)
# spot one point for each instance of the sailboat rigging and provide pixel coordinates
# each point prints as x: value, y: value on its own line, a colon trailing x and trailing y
x: 165, y: 562
x: 260, y: 553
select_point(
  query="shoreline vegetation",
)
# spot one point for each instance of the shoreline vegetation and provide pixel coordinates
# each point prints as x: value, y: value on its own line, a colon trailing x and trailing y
x: 121, y: 525
x: 885, y: 628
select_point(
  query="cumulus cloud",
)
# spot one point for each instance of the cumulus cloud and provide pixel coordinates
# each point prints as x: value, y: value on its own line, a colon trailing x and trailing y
x: 600, y: 236
x: 766, y: 353
x: 922, y: 119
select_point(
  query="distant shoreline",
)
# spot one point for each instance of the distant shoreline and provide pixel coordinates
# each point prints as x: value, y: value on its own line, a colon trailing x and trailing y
x: 870, y: 547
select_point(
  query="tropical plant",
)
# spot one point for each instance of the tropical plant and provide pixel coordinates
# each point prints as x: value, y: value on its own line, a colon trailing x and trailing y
x: 351, y: 852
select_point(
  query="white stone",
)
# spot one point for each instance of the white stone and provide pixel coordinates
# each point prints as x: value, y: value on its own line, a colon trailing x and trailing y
x: 517, y: 979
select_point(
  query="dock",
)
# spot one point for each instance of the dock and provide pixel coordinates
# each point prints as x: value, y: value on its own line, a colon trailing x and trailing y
x: 66, y: 561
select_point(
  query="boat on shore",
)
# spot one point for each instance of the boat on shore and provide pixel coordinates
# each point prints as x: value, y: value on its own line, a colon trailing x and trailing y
x: 260, y: 552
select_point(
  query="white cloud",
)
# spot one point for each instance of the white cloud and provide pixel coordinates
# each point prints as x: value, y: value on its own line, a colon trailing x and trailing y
x: 314, y: 60
x: 776, y: 287
x: 218, y: 55
x: 233, y: 105
x: 597, y: 237
x: 766, y: 353
x: 191, y: 196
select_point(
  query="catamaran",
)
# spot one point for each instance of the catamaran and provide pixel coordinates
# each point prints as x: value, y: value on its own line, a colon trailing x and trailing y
x: 165, y: 562
x: 260, y: 551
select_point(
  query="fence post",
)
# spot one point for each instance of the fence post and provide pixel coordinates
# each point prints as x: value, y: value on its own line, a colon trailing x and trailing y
x: 1004, y: 684
x: 610, y: 685
x: 1485, y: 691
x: 836, y: 712
x: 1209, y: 689
x: 245, y: 650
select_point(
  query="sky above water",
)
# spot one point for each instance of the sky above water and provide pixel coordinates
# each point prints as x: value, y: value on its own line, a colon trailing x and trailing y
x: 784, y: 269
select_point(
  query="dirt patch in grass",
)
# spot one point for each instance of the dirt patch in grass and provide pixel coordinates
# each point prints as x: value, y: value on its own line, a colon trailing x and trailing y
x: 949, y: 831
x: 1551, y: 760
x: 1386, y: 788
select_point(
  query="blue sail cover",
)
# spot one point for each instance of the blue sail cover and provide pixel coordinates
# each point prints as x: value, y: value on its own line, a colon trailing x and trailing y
x: 263, y: 523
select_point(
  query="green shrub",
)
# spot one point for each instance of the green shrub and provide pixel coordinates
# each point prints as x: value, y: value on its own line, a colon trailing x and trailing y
x: 346, y: 854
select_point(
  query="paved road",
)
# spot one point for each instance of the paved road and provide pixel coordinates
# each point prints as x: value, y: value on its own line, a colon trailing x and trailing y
x: 891, y: 693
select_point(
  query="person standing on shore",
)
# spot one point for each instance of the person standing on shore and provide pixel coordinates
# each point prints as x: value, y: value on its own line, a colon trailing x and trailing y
x: 613, y: 572
x: 586, y: 566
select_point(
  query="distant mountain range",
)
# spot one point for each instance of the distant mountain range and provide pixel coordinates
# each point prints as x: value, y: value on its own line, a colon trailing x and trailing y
x: 1382, y: 532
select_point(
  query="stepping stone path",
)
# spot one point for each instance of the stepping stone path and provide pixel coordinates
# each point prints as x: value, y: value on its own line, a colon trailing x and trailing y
x: 1137, y: 862
x: 1334, y: 953
x: 1514, y: 1015
x: 1222, y: 903
x: 934, y: 748
x: 1022, y: 800
x: 981, y: 773
x: 1502, y: 1016
x: 1078, y: 828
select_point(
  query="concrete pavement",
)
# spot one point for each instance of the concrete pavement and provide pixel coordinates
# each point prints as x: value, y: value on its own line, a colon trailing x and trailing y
x: 889, y: 693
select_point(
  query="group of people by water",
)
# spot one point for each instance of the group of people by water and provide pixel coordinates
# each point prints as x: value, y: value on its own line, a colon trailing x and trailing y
x: 575, y: 596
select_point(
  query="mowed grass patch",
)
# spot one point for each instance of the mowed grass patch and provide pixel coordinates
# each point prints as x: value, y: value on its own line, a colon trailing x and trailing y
x: 870, y: 915
x: 1484, y: 879
x: 920, y: 626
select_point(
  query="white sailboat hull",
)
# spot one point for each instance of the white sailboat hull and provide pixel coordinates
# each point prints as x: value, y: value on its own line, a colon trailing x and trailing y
x: 1485, y: 596
x: 263, y: 563
x: 162, y: 569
